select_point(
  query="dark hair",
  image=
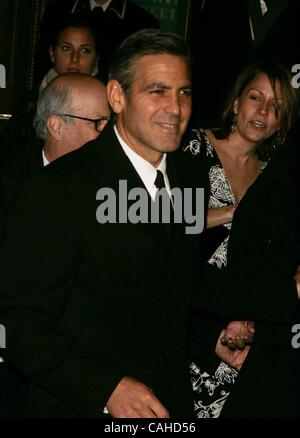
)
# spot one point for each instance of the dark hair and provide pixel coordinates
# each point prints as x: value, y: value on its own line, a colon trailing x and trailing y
x: 289, y: 108
x: 142, y: 43
x: 77, y: 21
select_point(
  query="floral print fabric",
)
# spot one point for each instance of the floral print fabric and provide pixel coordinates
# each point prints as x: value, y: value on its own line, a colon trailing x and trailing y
x: 212, y: 389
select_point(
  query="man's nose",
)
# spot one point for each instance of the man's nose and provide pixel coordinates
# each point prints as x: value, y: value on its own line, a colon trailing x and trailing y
x: 173, y: 105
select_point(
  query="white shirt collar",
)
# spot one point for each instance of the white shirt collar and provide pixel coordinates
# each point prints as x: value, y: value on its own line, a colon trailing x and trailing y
x: 45, y: 161
x: 145, y: 170
x: 263, y: 7
x: 93, y: 5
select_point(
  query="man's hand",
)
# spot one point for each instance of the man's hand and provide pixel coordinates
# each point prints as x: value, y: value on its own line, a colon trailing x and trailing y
x: 132, y: 399
x: 238, y: 334
x: 235, y: 357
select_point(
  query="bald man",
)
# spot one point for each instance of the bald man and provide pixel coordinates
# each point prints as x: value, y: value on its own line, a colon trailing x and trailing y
x: 84, y: 99
x: 72, y: 110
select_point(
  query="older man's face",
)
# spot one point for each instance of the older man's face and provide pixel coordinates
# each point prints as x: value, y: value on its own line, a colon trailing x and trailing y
x: 157, y: 107
x: 91, y: 103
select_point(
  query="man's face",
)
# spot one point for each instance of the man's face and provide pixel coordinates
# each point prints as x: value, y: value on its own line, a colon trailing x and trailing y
x: 90, y: 102
x: 157, y: 107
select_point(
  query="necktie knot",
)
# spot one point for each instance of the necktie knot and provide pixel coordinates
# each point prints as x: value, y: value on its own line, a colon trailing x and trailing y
x: 159, y: 180
x: 97, y: 13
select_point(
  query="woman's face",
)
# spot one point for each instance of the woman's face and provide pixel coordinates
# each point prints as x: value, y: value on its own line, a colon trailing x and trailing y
x: 258, y: 109
x: 75, y: 51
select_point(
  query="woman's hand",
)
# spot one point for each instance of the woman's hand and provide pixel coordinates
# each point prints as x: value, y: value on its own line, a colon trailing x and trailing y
x: 238, y: 334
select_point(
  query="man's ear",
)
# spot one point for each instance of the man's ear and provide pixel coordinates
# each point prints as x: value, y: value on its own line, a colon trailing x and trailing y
x: 116, y: 96
x: 54, y: 126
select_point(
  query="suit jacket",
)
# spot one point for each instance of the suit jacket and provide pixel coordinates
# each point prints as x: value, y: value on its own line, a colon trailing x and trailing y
x: 22, y: 157
x: 258, y: 285
x: 25, y: 160
x: 264, y: 252
x: 85, y: 304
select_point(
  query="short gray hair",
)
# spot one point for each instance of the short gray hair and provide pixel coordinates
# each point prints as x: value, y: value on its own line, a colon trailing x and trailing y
x: 54, y: 99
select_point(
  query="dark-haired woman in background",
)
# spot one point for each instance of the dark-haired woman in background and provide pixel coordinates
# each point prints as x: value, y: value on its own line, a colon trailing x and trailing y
x: 74, y: 48
x: 257, y: 117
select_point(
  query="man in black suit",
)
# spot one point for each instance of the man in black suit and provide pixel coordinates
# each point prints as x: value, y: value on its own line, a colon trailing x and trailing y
x: 263, y: 256
x: 97, y: 314
x: 76, y: 94
x: 51, y: 135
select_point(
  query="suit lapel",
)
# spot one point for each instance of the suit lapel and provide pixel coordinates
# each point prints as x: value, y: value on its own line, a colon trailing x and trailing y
x: 174, y: 180
x: 113, y: 162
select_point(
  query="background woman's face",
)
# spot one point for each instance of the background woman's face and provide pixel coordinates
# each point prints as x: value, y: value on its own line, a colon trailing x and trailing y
x: 258, y: 109
x: 75, y: 51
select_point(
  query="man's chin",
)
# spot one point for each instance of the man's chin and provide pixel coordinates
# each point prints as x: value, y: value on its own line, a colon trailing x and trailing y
x: 168, y: 144
x: 171, y: 147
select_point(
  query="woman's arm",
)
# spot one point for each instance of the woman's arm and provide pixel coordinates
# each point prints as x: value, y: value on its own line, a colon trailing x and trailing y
x: 220, y: 215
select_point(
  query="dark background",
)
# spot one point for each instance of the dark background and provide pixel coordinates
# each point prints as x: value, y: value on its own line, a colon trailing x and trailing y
x: 217, y: 30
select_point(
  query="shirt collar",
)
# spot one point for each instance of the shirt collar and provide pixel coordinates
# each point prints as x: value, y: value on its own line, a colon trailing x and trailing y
x: 117, y: 6
x: 45, y: 161
x: 145, y: 170
x: 93, y: 5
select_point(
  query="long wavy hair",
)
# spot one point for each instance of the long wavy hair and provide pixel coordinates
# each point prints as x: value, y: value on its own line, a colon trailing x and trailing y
x: 289, y: 109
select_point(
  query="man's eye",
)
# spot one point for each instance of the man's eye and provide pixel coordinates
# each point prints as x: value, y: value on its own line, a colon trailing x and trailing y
x: 186, y: 93
x: 157, y: 91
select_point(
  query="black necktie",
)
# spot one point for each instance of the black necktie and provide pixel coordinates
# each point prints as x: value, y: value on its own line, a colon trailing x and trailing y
x: 160, y: 184
x: 97, y: 15
x: 159, y: 180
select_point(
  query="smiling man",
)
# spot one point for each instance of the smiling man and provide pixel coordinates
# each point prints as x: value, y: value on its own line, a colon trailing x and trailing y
x: 97, y: 316
x: 155, y: 107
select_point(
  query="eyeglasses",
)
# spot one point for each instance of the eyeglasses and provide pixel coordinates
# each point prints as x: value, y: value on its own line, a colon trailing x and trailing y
x: 97, y: 122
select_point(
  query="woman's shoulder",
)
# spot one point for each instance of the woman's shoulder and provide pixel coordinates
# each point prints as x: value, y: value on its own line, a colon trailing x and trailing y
x: 197, y: 142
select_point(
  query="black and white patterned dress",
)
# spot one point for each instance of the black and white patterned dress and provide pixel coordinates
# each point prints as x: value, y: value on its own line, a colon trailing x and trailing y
x: 212, y: 386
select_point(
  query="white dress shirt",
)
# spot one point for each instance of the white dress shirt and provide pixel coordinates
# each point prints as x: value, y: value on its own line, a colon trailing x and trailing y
x: 45, y: 161
x: 93, y: 5
x: 145, y: 170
